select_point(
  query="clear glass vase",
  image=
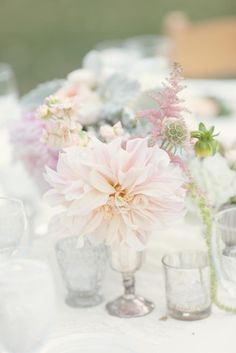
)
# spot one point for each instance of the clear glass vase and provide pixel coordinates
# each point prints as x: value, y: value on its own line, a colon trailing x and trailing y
x: 82, y: 270
x: 127, y: 261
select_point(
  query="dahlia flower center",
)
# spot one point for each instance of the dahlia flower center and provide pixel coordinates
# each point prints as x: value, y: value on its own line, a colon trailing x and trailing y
x: 118, y: 202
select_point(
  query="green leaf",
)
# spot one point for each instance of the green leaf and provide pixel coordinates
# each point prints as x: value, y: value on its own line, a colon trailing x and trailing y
x: 202, y: 127
x: 211, y: 130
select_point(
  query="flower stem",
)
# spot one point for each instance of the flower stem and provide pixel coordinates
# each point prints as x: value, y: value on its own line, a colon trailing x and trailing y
x: 206, y: 215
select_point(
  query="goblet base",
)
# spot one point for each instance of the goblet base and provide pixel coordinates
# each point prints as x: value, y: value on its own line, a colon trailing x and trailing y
x: 77, y: 301
x: 189, y: 316
x: 131, y: 306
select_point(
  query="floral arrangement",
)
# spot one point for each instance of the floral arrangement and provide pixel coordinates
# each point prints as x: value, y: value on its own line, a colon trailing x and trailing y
x: 121, y: 187
x: 116, y: 173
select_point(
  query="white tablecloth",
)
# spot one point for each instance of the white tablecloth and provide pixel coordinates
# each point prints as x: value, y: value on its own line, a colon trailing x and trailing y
x: 214, y: 334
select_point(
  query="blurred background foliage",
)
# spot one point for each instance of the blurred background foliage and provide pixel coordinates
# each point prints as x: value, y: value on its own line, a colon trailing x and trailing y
x: 46, y: 39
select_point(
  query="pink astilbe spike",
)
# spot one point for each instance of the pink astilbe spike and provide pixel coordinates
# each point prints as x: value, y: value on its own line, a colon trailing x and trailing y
x: 169, y: 104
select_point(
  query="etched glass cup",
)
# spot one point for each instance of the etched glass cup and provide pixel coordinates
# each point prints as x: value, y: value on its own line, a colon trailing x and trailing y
x: 187, y: 276
x: 82, y: 269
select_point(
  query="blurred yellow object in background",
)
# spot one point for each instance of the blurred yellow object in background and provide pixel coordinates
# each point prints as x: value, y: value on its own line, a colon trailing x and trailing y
x: 205, y: 49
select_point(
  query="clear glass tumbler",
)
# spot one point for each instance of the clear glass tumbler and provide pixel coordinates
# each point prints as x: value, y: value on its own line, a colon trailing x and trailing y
x: 187, y: 276
x: 27, y: 304
x: 225, y: 227
x: 224, y: 252
x: 82, y: 270
x: 12, y: 222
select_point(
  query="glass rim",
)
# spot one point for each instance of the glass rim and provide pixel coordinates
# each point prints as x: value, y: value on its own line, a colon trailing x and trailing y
x: 5, y: 69
x: 5, y: 66
x: 15, y: 201
x: 217, y: 216
x: 42, y: 265
x: 182, y: 268
x: 12, y: 199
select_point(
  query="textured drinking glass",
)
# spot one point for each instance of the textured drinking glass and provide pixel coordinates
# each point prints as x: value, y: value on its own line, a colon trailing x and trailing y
x: 82, y: 270
x: 225, y: 227
x: 224, y: 252
x: 12, y: 222
x: 127, y: 261
x: 27, y: 304
x: 187, y: 276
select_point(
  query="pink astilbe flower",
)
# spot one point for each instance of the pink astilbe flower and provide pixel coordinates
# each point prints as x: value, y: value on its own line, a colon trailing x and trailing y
x: 115, y: 194
x: 181, y: 163
x: 169, y: 104
x: 26, y: 139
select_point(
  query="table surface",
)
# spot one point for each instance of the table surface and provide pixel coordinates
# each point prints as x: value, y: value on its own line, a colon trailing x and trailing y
x: 214, y: 334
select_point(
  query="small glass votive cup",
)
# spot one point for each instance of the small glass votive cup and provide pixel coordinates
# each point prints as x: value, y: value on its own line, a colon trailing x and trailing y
x: 187, y: 277
x: 82, y: 269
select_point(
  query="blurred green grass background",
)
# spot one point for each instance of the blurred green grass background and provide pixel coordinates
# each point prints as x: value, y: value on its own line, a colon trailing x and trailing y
x: 46, y: 39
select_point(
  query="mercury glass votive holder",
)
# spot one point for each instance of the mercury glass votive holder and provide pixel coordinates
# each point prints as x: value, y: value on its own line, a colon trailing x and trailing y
x: 187, y: 277
x: 82, y: 269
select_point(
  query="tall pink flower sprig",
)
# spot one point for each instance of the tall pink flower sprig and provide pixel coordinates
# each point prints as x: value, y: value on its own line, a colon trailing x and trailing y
x: 168, y: 101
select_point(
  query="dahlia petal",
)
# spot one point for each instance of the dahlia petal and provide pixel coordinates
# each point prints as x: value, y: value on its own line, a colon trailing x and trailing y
x: 133, y: 241
x: 74, y: 190
x: 100, y: 183
x: 113, y: 229
x: 134, y: 177
x: 53, y: 178
x: 92, y: 224
x: 53, y: 198
x: 87, y: 203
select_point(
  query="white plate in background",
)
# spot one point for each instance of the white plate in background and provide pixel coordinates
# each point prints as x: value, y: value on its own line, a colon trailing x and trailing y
x: 99, y: 343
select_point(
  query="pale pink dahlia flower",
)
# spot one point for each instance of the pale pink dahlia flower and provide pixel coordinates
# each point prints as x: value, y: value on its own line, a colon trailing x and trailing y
x: 115, y: 194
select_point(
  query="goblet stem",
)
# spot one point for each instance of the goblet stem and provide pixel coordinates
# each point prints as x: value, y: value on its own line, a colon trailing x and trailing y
x: 129, y: 284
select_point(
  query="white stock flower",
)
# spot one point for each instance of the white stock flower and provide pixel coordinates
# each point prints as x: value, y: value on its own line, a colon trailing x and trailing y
x: 111, y: 132
x: 82, y: 77
x: 215, y: 178
x: 230, y: 156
